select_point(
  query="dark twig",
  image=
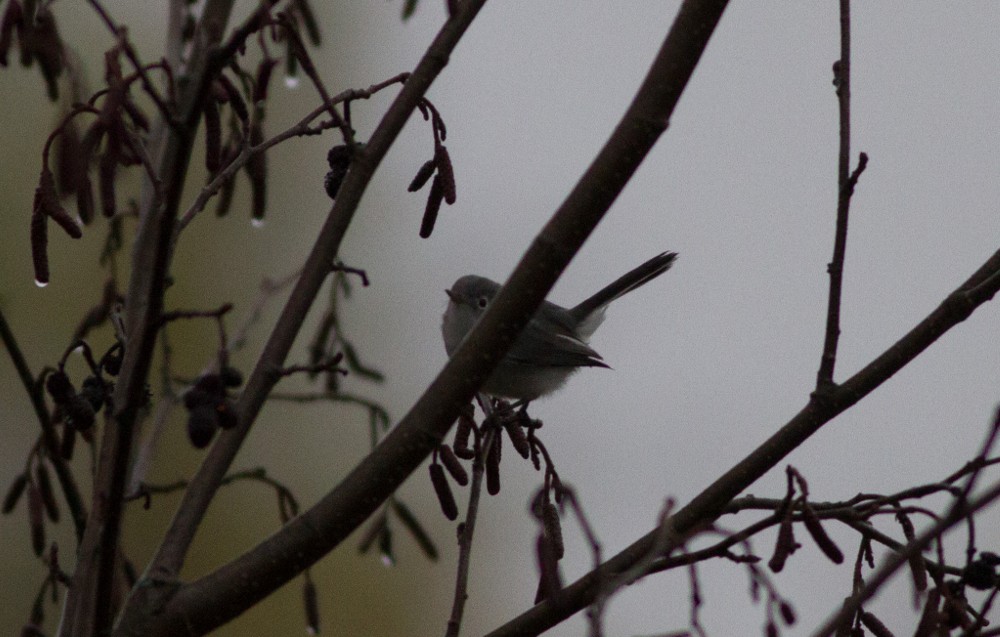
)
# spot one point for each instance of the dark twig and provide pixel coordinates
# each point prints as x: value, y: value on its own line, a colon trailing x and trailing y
x: 467, y: 532
x: 846, y: 182
x: 958, y: 512
x: 120, y: 32
x: 302, y: 128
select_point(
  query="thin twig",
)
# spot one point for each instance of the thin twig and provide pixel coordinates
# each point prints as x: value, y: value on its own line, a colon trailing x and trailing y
x: 845, y: 189
x: 466, y: 534
x: 121, y: 33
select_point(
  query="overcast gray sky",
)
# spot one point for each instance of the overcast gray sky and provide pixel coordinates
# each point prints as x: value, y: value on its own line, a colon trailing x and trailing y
x: 708, y: 361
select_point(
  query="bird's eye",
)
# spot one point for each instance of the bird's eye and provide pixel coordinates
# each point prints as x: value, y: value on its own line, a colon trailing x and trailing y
x: 483, y: 301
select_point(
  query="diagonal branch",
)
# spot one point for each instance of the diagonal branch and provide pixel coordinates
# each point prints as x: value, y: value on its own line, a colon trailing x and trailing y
x: 707, y: 506
x: 214, y: 599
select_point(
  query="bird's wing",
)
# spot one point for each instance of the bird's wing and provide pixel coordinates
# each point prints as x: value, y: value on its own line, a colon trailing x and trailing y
x: 552, y: 345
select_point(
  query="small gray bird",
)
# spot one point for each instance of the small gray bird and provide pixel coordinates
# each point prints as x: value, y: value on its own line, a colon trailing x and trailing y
x: 554, y: 343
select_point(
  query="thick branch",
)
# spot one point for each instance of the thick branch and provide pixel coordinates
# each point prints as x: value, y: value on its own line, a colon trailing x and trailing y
x: 88, y: 609
x: 216, y: 598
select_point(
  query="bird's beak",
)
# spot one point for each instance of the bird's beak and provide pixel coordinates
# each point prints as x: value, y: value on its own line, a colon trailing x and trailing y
x: 452, y: 296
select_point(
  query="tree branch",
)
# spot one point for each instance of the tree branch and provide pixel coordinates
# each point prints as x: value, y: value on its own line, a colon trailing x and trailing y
x: 708, y: 505
x: 219, y: 596
x: 88, y: 607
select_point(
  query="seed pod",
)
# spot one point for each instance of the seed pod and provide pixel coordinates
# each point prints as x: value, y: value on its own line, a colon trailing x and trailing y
x: 930, y: 617
x: 235, y: 98
x: 787, y: 613
x: 263, y: 79
x: 434, y: 199
x: 79, y: 413
x: 225, y: 199
x: 39, y: 247
x: 553, y: 529
x: 447, y: 174
x: 373, y: 531
x: 784, y: 546
x: 385, y: 547
x: 256, y: 169
x: 14, y: 493
x: 36, y: 519
x: 423, y: 175
x: 462, y: 432
x: 518, y: 439
x: 202, y: 423
x: 493, y: 467
x: 70, y: 165
x: 68, y: 443
x: 875, y: 625
x: 85, y: 200
x: 819, y: 535
x: 452, y: 464
x: 550, y: 582
x: 304, y: 11
x: 443, y: 492
x: 112, y: 361
x: 46, y: 492
x: 12, y: 18
x: 43, y: 42
x: 107, y: 168
x: 95, y: 391
x: 311, y: 605
x: 416, y: 529
x: 59, y: 387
